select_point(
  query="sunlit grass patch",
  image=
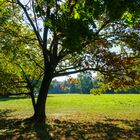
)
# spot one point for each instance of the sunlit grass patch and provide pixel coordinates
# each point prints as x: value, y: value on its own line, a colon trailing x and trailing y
x: 79, y: 105
x: 73, y: 117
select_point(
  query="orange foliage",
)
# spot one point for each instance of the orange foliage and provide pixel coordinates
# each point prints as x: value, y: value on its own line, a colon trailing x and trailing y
x: 73, y: 80
x: 101, y: 42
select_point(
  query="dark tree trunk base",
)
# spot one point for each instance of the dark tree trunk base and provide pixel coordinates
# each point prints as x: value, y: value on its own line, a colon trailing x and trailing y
x: 39, y: 118
x: 36, y: 119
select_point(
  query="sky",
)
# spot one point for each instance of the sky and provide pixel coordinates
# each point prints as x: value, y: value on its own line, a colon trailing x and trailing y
x: 62, y: 78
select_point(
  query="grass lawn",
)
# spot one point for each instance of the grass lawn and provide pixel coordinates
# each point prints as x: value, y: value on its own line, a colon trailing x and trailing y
x: 74, y: 117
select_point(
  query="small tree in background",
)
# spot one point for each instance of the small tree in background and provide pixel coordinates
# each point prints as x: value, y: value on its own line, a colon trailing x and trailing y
x: 86, y: 81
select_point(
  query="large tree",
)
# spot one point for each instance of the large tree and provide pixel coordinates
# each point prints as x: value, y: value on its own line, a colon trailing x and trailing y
x: 80, y: 35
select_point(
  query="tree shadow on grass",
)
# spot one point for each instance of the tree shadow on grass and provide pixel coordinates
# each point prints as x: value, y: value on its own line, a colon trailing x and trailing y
x: 13, y: 98
x: 103, y: 130
x: 55, y: 129
x: 20, y: 129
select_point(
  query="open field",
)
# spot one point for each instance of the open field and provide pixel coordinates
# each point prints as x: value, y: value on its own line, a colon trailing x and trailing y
x: 73, y: 117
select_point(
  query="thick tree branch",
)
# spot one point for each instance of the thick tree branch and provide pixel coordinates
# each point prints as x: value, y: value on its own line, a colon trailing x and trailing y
x: 45, y: 37
x: 67, y: 69
x: 35, y: 18
x: 31, y: 22
x: 26, y: 77
x: 75, y: 71
x: 103, y: 26
x: 54, y: 47
x: 38, y: 64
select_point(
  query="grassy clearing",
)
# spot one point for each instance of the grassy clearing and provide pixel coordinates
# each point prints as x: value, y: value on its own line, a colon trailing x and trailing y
x: 74, y: 117
x: 105, y: 105
x: 124, y: 106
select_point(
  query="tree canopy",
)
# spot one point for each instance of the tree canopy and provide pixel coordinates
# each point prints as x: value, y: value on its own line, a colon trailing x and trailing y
x: 75, y: 36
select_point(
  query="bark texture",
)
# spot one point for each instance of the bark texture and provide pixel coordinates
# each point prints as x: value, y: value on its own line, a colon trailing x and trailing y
x: 39, y: 114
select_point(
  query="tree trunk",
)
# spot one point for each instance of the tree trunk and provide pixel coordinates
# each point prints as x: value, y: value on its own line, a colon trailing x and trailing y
x: 39, y: 114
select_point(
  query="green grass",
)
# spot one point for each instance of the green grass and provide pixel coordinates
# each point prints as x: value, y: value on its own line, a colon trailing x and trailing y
x: 117, y: 105
x: 74, y: 116
x: 106, y: 104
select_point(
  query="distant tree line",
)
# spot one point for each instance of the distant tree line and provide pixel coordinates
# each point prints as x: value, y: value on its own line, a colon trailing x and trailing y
x: 85, y: 83
x: 82, y: 84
